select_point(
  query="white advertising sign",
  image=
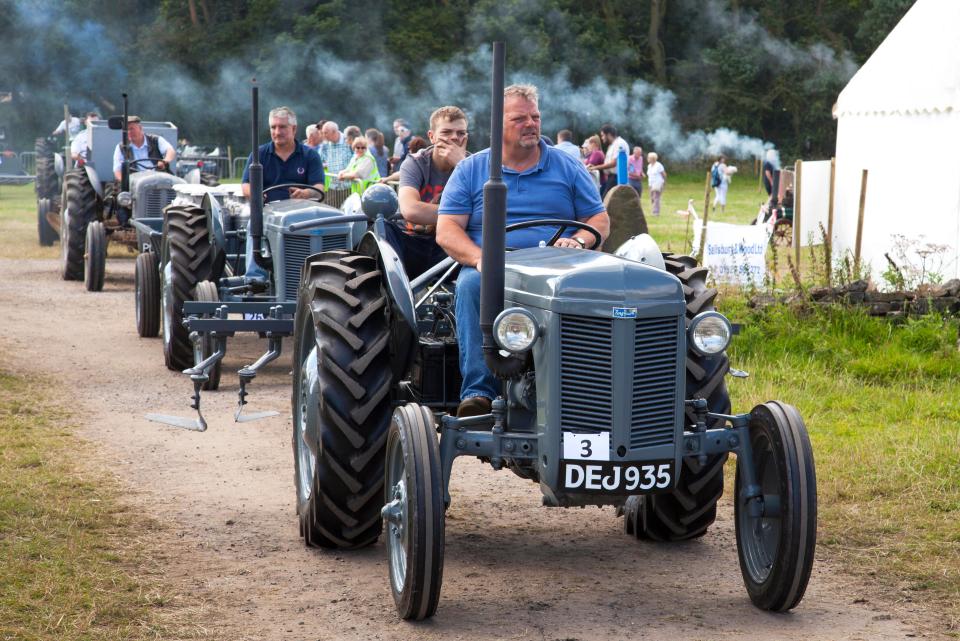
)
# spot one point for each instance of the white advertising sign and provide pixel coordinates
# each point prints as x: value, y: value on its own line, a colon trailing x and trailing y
x: 736, y: 254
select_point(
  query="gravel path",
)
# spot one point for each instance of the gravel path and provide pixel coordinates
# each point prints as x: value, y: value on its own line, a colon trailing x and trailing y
x: 514, y: 570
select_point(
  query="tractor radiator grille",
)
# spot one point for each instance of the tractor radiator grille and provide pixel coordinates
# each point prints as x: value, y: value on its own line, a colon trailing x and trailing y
x: 157, y: 199
x: 587, y: 358
x: 654, y: 381
x: 586, y: 373
x: 296, y: 249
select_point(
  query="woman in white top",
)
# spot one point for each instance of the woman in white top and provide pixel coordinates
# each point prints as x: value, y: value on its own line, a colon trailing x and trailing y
x: 656, y: 179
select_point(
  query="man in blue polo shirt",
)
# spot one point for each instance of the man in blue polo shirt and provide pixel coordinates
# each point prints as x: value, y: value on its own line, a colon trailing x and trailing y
x: 285, y: 160
x: 542, y: 182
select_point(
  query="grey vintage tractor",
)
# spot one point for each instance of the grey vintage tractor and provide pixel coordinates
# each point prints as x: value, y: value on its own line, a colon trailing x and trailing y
x: 613, y: 393
x: 228, y: 264
x: 97, y: 209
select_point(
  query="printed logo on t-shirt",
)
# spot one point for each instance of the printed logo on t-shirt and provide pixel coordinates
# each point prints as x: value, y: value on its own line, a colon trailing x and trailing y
x: 301, y: 171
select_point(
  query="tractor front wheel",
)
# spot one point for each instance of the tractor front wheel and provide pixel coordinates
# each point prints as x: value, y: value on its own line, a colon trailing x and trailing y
x: 777, y: 532
x: 207, y: 293
x: 146, y: 277
x: 95, y: 256
x: 414, y: 512
x: 341, y: 400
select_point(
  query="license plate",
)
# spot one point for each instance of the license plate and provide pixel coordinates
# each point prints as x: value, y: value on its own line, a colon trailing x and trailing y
x: 605, y: 477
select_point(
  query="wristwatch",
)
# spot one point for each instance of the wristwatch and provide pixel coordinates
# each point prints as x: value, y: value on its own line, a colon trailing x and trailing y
x: 583, y: 243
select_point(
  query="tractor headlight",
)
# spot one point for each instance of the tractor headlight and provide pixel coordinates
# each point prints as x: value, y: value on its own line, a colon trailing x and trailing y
x: 124, y: 199
x: 709, y: 333
x: 515, y: 330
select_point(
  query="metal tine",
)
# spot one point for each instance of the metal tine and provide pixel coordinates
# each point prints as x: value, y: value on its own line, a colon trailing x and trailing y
x: 192, y: 424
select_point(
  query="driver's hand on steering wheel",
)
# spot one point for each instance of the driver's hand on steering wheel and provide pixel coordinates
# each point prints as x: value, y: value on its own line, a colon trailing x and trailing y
x: 161, y: 165
x: 303, y: 193
x: 567, y: 242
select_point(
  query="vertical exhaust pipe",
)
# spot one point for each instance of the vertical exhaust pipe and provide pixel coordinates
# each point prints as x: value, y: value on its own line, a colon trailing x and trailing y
x: 494, y: 237
x: 125, y: 146
x: 256, y: 187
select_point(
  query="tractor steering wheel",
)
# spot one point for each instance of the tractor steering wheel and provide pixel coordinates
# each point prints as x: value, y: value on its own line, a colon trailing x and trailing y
x: 133, y: 164
x: 562, y: 225
x: 319, y: 197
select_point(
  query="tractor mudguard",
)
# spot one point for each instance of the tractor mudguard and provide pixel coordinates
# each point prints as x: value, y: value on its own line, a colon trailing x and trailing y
x: 214, y: 221
x: 395, y: 278
x: 94, y: 179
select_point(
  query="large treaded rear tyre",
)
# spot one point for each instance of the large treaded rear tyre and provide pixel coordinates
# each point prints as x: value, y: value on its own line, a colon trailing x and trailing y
x: 45, y: 231
x: 46, y: 184
x: 79, y: 209
x: 146, y: 278
x: 687, y: 511
x: 187, y: 259
x: 341, y: 400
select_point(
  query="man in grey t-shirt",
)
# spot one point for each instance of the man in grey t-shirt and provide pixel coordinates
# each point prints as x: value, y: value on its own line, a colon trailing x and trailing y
x: 423, y: 176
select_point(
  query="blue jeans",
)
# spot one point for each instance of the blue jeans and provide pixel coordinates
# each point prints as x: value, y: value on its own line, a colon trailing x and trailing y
x: 477, y: 378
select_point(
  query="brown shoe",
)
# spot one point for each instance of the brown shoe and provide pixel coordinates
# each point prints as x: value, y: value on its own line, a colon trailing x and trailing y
x: 474, y: 406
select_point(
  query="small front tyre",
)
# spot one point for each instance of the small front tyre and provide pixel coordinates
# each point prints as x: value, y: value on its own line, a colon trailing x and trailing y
x: 777, y: 534
x: 206, y: 292
x: 95, y: 256
x: 146, y: 278
x: 414, y: 512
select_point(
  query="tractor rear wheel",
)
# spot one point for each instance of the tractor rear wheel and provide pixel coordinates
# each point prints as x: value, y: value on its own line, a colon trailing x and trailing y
x: 45, y: 231
x: 146, y: 277
x: 687, y: 511
x: 80, y: 208
x: 95, y: 256
x: 188, y: 257
x: 46, y: 181
x: 207, y: 293
x: 341, y: 400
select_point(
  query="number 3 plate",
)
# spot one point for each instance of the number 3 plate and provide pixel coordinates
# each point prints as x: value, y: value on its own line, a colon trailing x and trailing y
x: 616, y: 478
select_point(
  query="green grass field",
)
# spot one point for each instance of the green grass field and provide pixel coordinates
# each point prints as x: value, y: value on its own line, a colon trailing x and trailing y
x: 879, y: 399
x: 74, y: 563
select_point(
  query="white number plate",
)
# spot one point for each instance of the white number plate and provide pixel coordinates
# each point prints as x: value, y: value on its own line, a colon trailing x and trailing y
x: 586, y: 447
x: 616, y: 478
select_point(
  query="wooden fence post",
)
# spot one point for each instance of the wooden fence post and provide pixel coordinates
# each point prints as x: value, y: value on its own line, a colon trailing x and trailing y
x: 863, y: 201
x: 706, y: 214
x: 797, y: 239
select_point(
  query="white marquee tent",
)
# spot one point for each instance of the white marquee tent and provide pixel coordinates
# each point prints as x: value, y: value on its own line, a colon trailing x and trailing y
x: 899, y: 118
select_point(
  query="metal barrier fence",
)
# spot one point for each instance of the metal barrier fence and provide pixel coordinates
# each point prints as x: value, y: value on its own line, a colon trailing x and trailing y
x: 238, y: 164
x: 28, y: 160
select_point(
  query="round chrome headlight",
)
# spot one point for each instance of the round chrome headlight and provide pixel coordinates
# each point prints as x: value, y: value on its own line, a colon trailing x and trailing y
x: 709, y: 333
x: 515, y: 330
x: 125, y: 199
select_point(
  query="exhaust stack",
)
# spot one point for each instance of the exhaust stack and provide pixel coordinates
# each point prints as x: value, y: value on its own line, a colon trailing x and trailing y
x: 494, y: 237
x: 256, y: 187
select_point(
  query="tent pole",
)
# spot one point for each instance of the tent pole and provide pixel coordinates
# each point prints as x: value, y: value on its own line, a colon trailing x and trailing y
x: 829, y: 238
x: 863, y: 201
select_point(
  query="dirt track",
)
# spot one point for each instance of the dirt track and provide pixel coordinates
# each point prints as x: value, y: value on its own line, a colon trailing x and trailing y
x: 514, y: 570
